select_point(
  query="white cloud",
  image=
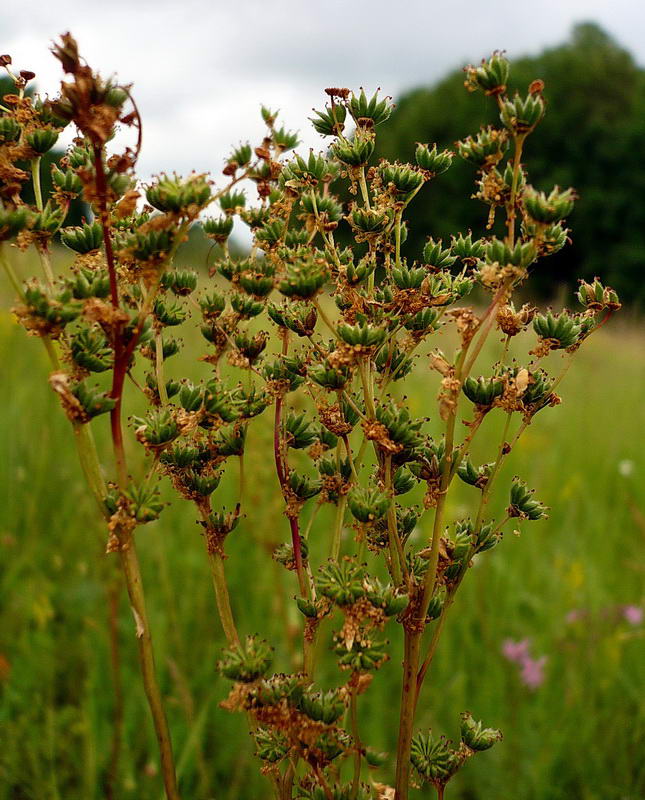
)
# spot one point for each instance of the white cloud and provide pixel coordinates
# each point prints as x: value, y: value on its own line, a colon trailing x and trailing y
x: 202, y: 67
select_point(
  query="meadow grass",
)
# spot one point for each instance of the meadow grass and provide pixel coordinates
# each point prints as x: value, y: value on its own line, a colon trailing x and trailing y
x: 578, y: 735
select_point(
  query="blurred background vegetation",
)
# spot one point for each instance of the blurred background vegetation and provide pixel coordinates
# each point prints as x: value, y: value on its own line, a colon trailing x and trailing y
x: 573, y: 585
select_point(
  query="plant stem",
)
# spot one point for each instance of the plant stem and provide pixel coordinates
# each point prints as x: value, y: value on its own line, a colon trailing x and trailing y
x: 397, y: 237
x: 130, y: 565
x: 223, y: 599
x: 358, y: 747
x: 111, y: 790
x: 161, y: 383
x: 338, y: 527
x: 411, y: 649
x: 397, y: 556
x: 363, y: 184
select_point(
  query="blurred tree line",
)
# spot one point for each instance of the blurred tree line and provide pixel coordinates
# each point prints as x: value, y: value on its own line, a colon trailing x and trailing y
x: 592, y: 138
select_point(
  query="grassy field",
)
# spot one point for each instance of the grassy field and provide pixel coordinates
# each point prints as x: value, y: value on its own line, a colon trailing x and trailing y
x: 580, y: 735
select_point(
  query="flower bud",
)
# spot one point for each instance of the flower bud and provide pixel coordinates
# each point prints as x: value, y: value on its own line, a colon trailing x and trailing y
x: 9, y: 130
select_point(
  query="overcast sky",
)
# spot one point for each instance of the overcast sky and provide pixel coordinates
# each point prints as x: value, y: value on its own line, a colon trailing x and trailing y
x: 200, y: 69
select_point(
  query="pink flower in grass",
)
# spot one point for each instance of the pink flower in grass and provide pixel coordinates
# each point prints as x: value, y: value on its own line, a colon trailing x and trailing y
x: 532, y: 674
x: 531, y: 669
x: 633, y: 615
x: 516, y: 652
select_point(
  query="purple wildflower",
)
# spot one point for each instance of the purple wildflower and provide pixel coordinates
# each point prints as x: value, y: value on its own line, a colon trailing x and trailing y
x: 532, y: 674
x: 633, y: 615
x: 516, y: 652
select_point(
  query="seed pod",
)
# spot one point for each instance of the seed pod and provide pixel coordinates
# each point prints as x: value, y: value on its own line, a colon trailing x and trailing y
x: 331, y: 121
x: 373, y: 110
x: 179, y: 195
x: 368, y: 505
x: 522, y: 503
x: 246, y: 662
x: 12, y: 221
x: 10, y: 130
x: 431, y: 161
x: 342, y: 582
x: 483, y: 391
x: 400, y: 179
x: 92, y: 400
x: 476, y: 737
x: 303, y: 487
x: 491, y: 76
x: 67, y: 181
x: 89, y: 350
x: 521, y: 115
x: 485, y: 149
x: 158, y: 429
x: 218, y: 228
x: 42, y: 140
x: 548, y: 209
x: 562, y: 330
x: 361, y: 335
x: 433, y: 759
x: 355, y: 152
x: 180, y: 282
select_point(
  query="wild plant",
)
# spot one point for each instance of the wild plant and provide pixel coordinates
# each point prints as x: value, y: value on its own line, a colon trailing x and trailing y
x: 314, y: 331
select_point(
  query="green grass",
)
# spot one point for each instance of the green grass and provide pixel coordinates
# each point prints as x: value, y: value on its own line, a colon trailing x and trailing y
x: 578, y: 736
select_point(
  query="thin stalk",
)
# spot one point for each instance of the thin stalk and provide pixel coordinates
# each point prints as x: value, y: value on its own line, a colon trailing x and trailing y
x: 161, y: 383
x: 363, y: 184
x: 358, y: 747
x: 397, y: 556
x: 35, y: 177
x: 397, y: 238
x: 112, y: 779
x: 367, y: 389
x: 89, y: 460
x: 338, y: 527
x: 510, y: 219
x: 223, y: 599
x: 131, y: 570
x: 411, y: 649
